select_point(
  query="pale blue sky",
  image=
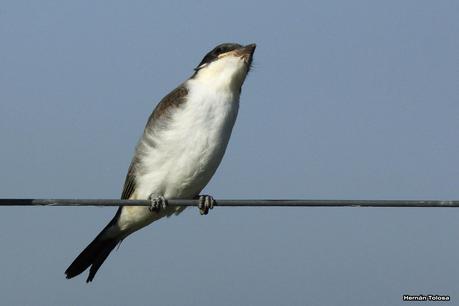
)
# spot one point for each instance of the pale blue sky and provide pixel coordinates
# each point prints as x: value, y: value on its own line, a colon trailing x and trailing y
x: 347, y: 99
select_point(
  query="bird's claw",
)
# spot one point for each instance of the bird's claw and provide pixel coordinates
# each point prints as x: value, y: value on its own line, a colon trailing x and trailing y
x: 206, y: 202
x: 157, y: 203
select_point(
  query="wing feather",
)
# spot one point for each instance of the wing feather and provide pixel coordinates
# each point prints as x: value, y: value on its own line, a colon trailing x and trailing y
x: 161, y: 112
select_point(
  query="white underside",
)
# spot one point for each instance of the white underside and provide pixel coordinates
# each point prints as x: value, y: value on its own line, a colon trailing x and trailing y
x: 186, y: 154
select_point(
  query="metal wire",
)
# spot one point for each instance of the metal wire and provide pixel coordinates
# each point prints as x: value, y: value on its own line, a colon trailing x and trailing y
x: 233, y: 203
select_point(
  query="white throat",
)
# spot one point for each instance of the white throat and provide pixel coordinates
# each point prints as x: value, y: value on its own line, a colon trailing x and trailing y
x: 225, y: 74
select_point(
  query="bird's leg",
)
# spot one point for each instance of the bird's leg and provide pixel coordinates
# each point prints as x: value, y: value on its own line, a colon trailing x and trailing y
x: 157, y: 203
x: 206, y: 202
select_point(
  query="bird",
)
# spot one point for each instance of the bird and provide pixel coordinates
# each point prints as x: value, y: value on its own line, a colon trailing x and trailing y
x: 181, y: 147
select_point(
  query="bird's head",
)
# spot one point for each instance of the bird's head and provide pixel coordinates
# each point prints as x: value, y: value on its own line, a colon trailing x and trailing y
x: 226, y: 65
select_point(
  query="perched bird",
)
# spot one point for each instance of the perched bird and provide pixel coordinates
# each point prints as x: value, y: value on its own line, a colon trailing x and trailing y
x: 182, y: 145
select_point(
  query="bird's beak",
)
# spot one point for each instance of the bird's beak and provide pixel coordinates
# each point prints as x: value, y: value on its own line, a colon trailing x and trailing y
x: 246, y: 52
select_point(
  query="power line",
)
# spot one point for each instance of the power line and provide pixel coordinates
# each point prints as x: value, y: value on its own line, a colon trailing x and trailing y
x: 233, y: 203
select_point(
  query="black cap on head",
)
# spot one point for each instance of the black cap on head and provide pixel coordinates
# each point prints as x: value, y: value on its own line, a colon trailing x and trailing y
x: 213, y: 55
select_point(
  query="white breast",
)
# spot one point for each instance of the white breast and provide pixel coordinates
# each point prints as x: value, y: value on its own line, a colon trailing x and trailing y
x: 188, y: 152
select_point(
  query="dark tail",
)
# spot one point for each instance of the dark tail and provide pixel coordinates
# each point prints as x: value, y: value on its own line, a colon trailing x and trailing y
x: 94, y: 254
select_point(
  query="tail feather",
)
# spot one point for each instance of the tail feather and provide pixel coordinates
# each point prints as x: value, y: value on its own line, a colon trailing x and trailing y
x: 99, y: 260
x: 93, y: 255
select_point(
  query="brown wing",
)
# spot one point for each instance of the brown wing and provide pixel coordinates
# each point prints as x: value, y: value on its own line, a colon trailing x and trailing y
x: 174, y: 99
x: 129, y: 183
x: 160, y: 114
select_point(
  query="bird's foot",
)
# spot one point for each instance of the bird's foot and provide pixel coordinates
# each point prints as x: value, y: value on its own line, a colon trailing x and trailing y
x: 206, y: 202
x: 157, y: 203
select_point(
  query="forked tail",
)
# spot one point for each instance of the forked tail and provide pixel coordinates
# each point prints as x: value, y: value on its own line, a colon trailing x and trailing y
x: 94, y: 254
